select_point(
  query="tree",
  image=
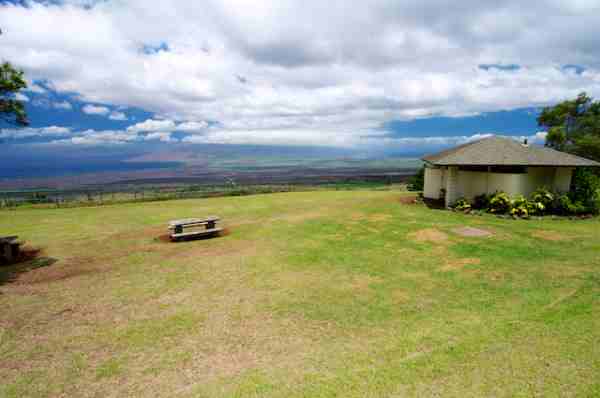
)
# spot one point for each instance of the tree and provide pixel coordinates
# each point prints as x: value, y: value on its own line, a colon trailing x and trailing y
x: 417, y: 182
x: 12, y: 111
x: 573, y: 126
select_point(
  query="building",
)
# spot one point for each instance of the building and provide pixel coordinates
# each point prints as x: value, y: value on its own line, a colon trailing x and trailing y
x: 497, y: 164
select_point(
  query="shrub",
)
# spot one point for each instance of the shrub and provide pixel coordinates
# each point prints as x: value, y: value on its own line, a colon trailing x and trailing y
x: 462, y: 204
x: 585, y: 189
x: 543, y: 200
x: 417, y: 182
x: 520, y: 206
x: 500, y: 203
x: 482, y: 202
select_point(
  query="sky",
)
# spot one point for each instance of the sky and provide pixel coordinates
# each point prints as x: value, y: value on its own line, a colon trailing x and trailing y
x: 375, y: 76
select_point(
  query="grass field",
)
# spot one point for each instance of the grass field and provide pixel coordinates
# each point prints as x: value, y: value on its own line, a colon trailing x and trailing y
x: 311, y: 294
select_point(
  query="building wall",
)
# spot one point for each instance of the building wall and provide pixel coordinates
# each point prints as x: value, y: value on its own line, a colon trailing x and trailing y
x: 469, y: 184
x: 562, y: 180
x: 433, y: 183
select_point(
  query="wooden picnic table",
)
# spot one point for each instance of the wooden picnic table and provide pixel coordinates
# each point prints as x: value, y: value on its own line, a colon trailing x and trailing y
x: 201, y: 227
x: 9, y: 248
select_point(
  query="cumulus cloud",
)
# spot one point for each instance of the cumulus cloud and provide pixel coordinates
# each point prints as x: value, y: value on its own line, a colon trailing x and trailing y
x: 152, y: 125
x: 21, y: 97
x: 192, y: 126
x: 35, y: 88
x: 65, y: 105
x: 116, y: 115
x: 311, y: 72
x: 95, y: 110
x: 29, y: 132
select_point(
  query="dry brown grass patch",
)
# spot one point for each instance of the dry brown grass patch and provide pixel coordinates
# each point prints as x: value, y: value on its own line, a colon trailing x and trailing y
x: 549, y: 235
x: 378, y: 217
x: 458, y: 264
x: 431, y: 235
x: 472, y: 232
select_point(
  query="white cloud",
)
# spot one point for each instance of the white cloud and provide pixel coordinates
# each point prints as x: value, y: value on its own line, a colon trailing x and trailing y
x: 21, y: 97
x: 161, y: 136
x: 153, y: 125
x: 35, y: 88
x: 66, y: 105
x: 29, y: 132
x: 299, y: 71
x: 192, y: 126
x: 116, y: 115
x: 95, y: 110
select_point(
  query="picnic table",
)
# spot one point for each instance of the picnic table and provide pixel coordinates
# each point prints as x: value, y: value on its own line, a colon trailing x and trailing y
x: 9, y: 248
x: 194, y: 227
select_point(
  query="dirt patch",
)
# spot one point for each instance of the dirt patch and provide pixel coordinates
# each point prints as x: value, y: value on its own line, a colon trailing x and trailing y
x: 429, y: 235
x: 472, y: 232
x: 549, y: 235
x: 363, y: 282
x: 379, y: 217
x: 408, y: 200
x: 52, y: 273
x: 458, y: 264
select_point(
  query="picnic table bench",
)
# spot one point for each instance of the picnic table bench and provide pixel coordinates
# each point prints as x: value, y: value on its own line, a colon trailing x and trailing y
x: 196, y: 227
x: 9, y: 248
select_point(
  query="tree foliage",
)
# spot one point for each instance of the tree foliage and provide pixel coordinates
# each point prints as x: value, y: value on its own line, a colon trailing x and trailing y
x: 573, y: 126
x: 12, y: 111
x: 417, y: 182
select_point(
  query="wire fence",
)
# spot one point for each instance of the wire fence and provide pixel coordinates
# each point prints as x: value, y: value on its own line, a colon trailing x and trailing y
x: 99, y: 197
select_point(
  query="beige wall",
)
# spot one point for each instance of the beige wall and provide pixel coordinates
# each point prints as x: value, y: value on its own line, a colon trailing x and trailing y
x: 433, y: 183
x: 469, y: 184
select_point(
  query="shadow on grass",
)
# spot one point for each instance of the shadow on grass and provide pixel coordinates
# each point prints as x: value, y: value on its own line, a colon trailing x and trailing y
x: 166, y: 238
x: 434, y: 204
x: 29, y: 259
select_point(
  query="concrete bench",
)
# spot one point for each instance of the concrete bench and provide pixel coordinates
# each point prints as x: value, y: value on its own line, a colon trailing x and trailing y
x: 10, y: 248
x: 178, y: 227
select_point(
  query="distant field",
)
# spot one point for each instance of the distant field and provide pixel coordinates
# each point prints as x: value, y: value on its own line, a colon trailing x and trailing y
x: 219, y: 170
x: 309, y: 294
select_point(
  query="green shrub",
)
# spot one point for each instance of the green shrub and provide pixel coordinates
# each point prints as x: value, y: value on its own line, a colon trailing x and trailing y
x: 585, y: 189
x: 417, y: 182
x: 462, y: 204
x: 543, y: 200
x: 520, y: 206
x: 500, y: 203
x: 482, y: 202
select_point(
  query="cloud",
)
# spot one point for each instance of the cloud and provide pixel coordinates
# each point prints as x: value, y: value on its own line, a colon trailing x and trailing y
x: 65, y: 105
x: 115, y: 115
x: 21, y: 97
x: 29, y: 132
x: 95, y: 110
x: 192, y: 126
x: 152, y: 125
x: 300, y: 72
x: 35, y: 88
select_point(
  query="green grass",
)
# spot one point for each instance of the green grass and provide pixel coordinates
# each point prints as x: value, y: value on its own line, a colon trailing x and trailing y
x: 310, y: 294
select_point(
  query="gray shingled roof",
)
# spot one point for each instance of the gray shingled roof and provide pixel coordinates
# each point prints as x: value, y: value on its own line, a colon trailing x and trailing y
x: 502, y: 151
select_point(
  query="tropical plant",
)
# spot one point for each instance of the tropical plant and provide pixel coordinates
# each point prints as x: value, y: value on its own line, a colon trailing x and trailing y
x: 500, y: 203
x: 482, y: 202
x: 462, y: 204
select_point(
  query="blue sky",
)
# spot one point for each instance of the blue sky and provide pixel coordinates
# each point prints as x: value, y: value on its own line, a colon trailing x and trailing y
x: 376, y: 78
